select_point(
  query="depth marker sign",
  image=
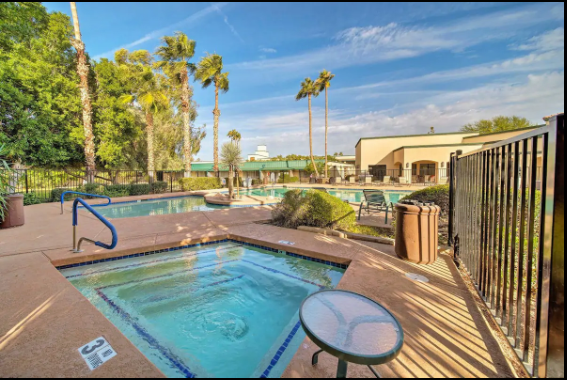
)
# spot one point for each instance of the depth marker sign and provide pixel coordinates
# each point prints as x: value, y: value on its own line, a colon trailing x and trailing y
x: 97, y: 352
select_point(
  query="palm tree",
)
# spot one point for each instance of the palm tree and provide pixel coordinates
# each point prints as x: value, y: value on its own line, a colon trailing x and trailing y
x: 324, y: 82
x: 235, y: 136
x: 175, y: 55
x: 83, y: 71
x: 209, y: 71
x: 308, y: 89
x: 150, y: 97
x: 232, y: 158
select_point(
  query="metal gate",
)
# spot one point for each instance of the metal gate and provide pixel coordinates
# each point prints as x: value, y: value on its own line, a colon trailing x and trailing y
x: 507, y: 227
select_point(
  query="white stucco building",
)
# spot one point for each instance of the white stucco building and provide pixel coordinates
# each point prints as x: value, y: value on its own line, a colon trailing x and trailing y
x: 260, y: 154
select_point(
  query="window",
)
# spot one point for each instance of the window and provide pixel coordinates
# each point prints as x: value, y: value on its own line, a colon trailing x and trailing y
x: 414, y: 169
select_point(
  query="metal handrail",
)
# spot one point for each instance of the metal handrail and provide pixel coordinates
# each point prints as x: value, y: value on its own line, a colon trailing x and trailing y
x: 77, y: 248
x: 89, y: 195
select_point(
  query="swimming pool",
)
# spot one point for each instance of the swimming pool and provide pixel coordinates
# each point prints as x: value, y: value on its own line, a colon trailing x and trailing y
x: 354, y: 196
x: 157, y: 207
x: 217, y: 310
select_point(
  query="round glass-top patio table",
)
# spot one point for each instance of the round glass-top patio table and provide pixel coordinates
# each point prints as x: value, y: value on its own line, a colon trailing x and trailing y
x: 351, y: 327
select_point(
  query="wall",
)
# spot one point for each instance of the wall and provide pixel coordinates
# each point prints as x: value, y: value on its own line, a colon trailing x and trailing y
x: 379, y: 151
x: 492, y: 137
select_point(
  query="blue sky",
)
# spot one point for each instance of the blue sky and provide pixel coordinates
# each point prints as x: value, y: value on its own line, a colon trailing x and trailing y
x: 400, y: 68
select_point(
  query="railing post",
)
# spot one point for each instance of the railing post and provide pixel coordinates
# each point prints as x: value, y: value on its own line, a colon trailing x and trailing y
x: 451, y: 198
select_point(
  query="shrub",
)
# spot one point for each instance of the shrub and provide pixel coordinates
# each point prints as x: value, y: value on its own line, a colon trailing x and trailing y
x: 93, y: 188
x: 330, y: 211
x: 56, y: 194
x: 438, y: 194
x: 139, y: 189
x: 116, y: 190
x: 285, y: 178
x: 313, y: 208
x: 200, y: 183
x: 293, y: 211
x: 256, y: 182
x: 159, y: 187
x: 31, y: 199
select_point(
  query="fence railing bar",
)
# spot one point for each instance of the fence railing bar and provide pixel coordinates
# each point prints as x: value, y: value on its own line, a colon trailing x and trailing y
x: 500, y: 227
x: 512, y: 303
x: 507, y: 262
x: 483, y: 225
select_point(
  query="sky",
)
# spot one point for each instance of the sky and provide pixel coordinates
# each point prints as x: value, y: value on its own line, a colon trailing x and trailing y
x: 400, y: 68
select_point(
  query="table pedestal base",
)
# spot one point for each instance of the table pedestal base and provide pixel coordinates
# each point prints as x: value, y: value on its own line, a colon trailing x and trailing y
x: 342, y: 367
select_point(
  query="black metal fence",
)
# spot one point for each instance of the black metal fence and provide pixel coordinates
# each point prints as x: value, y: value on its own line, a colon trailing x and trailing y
x: 507, y: 225
x: 393, y: 177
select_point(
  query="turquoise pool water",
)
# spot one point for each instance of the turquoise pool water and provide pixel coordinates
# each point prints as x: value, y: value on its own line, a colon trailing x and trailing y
x: 220, y: 310
x: 355, y: 196
x: 157, y: 207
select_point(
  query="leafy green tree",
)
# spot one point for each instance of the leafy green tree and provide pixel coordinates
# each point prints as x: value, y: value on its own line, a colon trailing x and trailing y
x: 231, y: 157
x: 83, y: 72
x: 5, y: 186
x: 148, y: 94
x: 21, y: 22
x: 310, y: 169
x: 175, y: 56
x: 40, y: 105
x: 209, y: 71
x: 309, y: 89
x: 324, y: 82
x: 497, y: 124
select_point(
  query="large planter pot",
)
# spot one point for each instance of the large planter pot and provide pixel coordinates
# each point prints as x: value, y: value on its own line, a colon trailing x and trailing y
x: 14, y: 214
x: 417, y: 233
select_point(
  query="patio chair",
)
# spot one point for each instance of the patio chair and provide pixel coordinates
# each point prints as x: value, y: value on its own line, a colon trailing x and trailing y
x: 443, y: 180
x: 352, y: 180
x: 403, y: 181
x: 387, y: 180
x: 374, y: 200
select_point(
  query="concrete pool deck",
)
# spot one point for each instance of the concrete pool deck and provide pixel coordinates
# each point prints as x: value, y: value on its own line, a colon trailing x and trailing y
x: 44, y: 319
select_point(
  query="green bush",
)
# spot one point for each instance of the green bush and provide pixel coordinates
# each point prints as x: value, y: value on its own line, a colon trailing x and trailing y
x: 140, y: 189
x: 313, y: 208
x: 159, y: 187
x: 256, y: 182
x: 56, y: 194
x: 93, y: 188
x: 438, y: 194
x: 116, y: 190
x: 285, y: 178
x: 200, y: 183
x: 31, y: 199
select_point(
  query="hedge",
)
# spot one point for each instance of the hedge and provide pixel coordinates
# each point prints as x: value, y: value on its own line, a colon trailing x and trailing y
x: 438, y: 194
x: 285, y: 178
x: 313, y: 208
x: 200, y: 183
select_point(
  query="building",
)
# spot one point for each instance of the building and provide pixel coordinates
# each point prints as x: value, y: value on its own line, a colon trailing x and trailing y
x: 350, y: 159
x: 419, y: 158
x: 260, y: 154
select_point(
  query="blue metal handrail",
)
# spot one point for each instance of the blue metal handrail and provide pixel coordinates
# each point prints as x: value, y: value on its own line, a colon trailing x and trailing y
x: 88, y: 195
x: 77, y: 248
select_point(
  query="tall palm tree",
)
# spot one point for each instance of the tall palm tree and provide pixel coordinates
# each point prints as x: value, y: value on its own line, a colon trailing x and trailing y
x: 324, y: 82
x: 83, y: 71
x: 209, y: 71
x: 175, y: 56
x: 235, y: 136
x: 308, y: 89
x: 232, y: 158
x: 150, y: 97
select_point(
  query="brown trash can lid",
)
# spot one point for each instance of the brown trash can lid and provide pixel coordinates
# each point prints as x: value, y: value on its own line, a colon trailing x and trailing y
x: 417, y: 209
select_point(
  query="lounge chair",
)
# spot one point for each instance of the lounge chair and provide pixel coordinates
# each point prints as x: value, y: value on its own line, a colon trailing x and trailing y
x: 374, y: 200
x: 387, y: 180
x: 443, y: 180
x: 352, y: 180
x: 403, y: 181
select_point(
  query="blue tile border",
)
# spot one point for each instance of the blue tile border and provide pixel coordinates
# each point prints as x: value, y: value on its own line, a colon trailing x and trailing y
x: 148, y: 253
x: 281, y: 351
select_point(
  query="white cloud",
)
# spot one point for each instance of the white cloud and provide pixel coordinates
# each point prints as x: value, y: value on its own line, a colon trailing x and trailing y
x: 268, y: 50
x: 552, y: 40
x: 372, y: 44
x: 163, y: 31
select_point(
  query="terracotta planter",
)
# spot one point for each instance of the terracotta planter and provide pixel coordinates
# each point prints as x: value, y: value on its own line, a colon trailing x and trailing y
x: 417, y: 228
x: 14, y: 214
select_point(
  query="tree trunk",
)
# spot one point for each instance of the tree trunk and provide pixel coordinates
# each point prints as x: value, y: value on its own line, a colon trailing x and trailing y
x: 185, y: 108
x: 311, y: 138
x: 216, y: 113
x: 83, y: 71
x: 150, y: 137
x: 230, y: 183
x: 326, y: 127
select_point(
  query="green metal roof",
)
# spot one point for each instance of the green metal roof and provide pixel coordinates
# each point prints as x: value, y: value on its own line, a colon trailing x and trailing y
x: 258, y: 165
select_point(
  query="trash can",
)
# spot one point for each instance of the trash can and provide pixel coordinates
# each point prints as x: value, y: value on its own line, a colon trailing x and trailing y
x: 14, y: 213
x: 417, y: 228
